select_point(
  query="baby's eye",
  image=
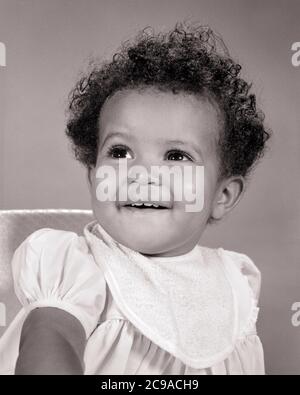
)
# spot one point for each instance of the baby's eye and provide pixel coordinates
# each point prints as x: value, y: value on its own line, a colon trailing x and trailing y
x: 178, y: 155
x: 119, y: 152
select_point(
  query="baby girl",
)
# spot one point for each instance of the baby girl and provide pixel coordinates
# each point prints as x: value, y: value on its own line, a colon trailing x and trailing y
x: 137, y: 293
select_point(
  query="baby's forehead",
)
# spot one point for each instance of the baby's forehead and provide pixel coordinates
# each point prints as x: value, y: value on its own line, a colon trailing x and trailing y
x: 153, y: 116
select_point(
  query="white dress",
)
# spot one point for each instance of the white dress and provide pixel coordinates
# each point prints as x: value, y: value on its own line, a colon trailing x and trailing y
x: 190, y: 314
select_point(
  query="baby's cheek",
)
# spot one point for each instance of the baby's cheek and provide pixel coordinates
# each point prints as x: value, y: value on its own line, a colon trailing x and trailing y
x: 109, y: 181
x: 193, y: 189
x: 105, y: 185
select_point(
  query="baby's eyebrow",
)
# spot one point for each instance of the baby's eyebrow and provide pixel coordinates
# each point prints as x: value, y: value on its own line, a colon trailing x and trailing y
x: 117, y: 134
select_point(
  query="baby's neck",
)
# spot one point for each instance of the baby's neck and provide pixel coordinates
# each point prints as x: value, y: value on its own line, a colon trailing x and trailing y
x: 172, y: 253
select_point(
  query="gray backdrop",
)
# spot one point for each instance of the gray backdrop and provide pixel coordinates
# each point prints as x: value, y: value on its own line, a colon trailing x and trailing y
x: 49, y: 42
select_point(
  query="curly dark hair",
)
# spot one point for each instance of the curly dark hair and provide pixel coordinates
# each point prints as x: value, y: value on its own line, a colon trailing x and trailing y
x: 191, y: 59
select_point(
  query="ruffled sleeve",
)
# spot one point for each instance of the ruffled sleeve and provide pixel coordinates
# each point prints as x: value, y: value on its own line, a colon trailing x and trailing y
x: 53, y: 268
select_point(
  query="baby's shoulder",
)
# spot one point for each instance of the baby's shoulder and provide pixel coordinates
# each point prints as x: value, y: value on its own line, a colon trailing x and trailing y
x: 238, y: 266
x: 242, y: 271
x: 52, y: 256
x: 49, y: 238
x: 54, y: 268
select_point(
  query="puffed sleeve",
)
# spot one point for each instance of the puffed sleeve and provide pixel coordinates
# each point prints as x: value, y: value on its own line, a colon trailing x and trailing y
x: 246, y: 281
x: 245, y: 277
x: 54, y: 268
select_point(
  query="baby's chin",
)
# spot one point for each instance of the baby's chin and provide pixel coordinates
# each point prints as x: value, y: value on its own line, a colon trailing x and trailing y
x: 148, y: 242
x: 146, y: 247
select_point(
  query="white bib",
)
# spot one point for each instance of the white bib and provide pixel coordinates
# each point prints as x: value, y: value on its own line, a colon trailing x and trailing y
x: 184, y: 304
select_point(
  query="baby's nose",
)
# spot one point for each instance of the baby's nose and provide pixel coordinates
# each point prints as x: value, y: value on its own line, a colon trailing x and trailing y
x: 143, y: 176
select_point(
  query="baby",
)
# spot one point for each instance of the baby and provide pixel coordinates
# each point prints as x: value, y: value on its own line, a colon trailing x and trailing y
x: 137, y: 294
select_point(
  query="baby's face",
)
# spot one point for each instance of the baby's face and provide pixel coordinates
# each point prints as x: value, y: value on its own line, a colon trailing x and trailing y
x: 152, y: 128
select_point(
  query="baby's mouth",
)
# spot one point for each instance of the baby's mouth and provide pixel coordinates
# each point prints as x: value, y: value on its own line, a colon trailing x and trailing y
x: 146, y: 206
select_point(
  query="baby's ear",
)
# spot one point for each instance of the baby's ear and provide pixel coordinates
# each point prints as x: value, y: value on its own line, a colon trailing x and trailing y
x: 227, y: 197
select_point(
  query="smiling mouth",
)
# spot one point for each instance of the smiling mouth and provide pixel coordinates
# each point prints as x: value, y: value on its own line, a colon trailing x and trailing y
x: 145, y: 206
